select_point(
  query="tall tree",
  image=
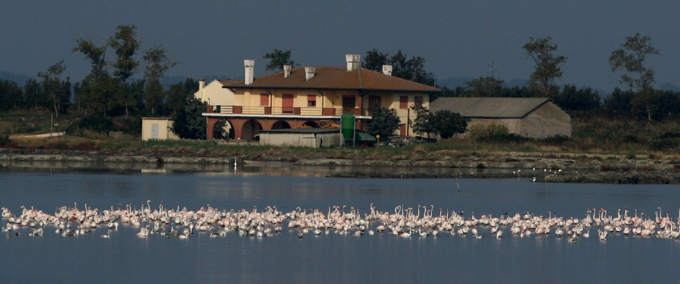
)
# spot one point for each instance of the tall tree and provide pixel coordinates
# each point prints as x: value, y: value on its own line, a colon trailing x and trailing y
x: 412, y: 69
x: 178, y: 94
x: 53, y: 89
x: 93, y: 93
x: 277, y: 59
x: 126, y: 46
x: 630, y: 59
x: 374, y: 60
x: 547, y: 66
x: 157, y: 64
x: 188, y: 122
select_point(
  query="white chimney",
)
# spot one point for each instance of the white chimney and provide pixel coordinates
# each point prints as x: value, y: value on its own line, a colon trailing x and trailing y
x: 309, y: 73
x: 250, y: 70
x: 201, y: 85
x: 352, y: 62
x: 387, y: 70
x: 286, y: 71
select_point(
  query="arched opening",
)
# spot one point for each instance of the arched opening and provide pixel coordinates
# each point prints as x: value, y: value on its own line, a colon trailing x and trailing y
x: 250, y: 129
x: 311, y: 124
x: 223, y: 130
x: 281, y: 124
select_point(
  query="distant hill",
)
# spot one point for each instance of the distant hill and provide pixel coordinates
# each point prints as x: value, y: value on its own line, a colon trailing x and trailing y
x: 670, y: 87
x: 19, y: 78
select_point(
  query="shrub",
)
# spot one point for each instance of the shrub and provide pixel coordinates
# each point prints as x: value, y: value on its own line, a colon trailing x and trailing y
x: 93, y: 123
x: 4, y: 140
x: 494, y: 133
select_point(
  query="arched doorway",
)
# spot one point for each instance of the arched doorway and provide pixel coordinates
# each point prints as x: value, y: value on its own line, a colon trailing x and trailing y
x: 223, y: 130
x: 311, y: 124
x: 250, y: 129
x: 281, y: 124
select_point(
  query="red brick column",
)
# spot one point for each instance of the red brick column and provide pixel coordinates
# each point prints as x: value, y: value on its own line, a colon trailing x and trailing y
x: 210, y: 127
x: 237, y: 125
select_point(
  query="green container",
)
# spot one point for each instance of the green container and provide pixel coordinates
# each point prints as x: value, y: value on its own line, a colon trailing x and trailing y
x: 347, y: 125
x: 218, y: 109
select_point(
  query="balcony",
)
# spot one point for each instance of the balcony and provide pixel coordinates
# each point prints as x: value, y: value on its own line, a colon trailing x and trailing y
x: 293, y: 111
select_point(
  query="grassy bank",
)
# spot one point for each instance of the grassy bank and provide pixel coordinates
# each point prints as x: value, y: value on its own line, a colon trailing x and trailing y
x: 592, y: 134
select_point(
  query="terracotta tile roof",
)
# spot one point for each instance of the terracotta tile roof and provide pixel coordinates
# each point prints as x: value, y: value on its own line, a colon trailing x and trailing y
x: 336, y: 78
x: 230, y: 82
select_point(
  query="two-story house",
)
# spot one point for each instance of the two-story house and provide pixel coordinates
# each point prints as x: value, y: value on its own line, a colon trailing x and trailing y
x: 315, y: 97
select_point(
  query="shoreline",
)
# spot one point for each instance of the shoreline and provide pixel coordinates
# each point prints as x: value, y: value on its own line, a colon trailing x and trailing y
x: 552, y: 168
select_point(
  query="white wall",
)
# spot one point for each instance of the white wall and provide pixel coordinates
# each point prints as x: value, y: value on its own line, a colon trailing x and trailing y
x: 214, y: 94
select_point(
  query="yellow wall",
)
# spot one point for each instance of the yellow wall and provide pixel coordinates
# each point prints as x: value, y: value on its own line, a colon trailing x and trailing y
x: 250, y: 99
x: 163, y: 129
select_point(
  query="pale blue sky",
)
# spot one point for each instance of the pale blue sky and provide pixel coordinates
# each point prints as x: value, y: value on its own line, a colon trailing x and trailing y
x: 456, y: 38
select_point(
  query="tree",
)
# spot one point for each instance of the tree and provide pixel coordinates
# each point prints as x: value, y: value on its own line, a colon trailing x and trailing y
x: 449, y: 123
x: 547, y: 66
x: 424, y: 123
x: 374, y: 60
x: 618, y: 102
x: 94, y: 91
x: 412, y: 69
x: 126, y: 45
x: 484, y: 87
x: 277, y: 59
x: 178, y: 94
x: 383, y: 120
x: 630, y: 59
x: 189, y: 122
x: 571, y: 99
x: 157, y: 64
x: 32, y: 94
x: 54, y: 89
x: 11, y: 95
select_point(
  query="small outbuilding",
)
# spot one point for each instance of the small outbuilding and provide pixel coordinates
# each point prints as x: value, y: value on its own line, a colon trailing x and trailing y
x: 302, y: 137
x: 528, y: 117
x: 157, y: 128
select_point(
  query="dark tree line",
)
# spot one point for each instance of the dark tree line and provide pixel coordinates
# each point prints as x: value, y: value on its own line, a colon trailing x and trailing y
x: 112, y: 88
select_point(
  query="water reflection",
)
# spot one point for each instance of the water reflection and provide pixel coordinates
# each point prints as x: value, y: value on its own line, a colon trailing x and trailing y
x: 332, y: 258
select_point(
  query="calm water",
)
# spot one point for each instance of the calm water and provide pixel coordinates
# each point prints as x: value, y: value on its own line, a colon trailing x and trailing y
x: 382, y: 258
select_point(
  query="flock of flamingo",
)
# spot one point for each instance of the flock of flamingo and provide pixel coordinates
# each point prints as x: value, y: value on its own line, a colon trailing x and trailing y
x: 420, y: 221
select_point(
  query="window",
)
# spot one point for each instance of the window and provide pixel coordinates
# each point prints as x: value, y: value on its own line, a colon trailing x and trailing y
x: 311, y: 100
x: 264, y: 99
x: 403, y: 102
x: 418, y: 101
x: 287, y: 103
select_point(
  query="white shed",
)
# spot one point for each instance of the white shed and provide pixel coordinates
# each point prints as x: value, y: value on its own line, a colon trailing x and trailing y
x: 302, y: 137
x: 157, y: 128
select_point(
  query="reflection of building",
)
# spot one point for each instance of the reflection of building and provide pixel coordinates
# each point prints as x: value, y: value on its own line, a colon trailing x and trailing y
x: 529, y: 117
x: 312, y: 96
x: 157, y: 128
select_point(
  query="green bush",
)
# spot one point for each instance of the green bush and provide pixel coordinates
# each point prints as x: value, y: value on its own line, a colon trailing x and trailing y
x: 494, y: 133
x: 93, y: 123
x: 4, y: 140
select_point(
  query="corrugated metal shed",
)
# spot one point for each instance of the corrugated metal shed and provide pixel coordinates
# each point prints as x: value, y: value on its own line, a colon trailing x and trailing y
x: 488, y: 107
